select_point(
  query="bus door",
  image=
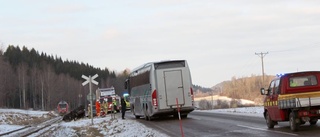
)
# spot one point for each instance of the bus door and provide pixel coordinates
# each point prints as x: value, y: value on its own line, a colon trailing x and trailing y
x: 174, y: 87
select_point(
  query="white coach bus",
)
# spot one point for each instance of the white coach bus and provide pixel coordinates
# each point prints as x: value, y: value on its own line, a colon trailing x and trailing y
x: 156, y: 87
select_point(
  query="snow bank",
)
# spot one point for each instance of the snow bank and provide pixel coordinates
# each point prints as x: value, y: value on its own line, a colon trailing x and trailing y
x: 248, y: 111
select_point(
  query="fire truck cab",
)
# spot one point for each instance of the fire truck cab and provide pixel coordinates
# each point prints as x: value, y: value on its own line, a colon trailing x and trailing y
x: 293, y: 97
x: 108, y: 96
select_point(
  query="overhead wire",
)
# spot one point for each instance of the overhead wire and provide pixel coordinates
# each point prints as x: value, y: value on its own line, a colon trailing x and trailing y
x: 246, y: 68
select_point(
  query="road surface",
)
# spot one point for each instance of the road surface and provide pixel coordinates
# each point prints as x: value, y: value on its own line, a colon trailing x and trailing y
x: 204, y: 124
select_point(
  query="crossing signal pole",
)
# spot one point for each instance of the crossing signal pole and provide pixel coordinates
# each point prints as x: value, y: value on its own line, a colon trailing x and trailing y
x: 91, y: 95
x: 262, y: 55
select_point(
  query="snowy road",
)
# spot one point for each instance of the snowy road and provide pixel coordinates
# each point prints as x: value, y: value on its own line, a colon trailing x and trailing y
x: 207, y: 124
x: 234, y: 122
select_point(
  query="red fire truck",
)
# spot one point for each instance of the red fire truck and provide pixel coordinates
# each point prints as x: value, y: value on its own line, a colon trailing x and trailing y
x: 293, y: 97
x: 108, y: 96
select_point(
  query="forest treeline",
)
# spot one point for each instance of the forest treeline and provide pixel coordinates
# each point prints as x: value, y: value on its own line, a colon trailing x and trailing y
x: 29, y: 79
x: 240, y: 88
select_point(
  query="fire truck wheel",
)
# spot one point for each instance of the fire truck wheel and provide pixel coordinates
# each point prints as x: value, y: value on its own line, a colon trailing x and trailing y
x: 313, y: 121
x: 269, y: 122
x: 294, y: 124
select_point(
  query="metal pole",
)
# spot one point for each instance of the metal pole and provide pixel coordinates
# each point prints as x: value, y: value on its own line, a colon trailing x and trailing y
x: 262, y: 70
x: 91, y: 99
x: 212, y: 99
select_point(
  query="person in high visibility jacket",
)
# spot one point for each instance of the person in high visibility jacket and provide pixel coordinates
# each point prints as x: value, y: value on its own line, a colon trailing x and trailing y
x: 293, y: 84
x: 105, y: 107
x: 98, y: 108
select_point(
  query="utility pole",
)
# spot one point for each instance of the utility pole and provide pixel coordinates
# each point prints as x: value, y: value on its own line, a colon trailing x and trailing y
x: 261, y: 55
x: 211, y: 99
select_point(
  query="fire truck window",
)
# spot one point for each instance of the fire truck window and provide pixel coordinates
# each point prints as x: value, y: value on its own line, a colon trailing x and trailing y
x: 307, y: 83
x: 271, y: 88
x: 277, y: 89
x: 301, y: 81
x: 313, y: 80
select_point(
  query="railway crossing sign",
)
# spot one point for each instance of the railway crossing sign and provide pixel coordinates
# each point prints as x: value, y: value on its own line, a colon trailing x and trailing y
x: 90, y: 96
x: 89, y: 79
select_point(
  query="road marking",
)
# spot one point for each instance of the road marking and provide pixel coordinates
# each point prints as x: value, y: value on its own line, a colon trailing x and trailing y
x: 268, y: 130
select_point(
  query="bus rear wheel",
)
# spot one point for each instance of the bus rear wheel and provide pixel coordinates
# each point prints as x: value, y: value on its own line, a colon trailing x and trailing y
x: 146, y: 114
x: 148, y: 118
x: 184, y: 115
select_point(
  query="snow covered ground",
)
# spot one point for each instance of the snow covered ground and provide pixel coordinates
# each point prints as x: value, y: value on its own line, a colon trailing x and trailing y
x: 248, y: 111
x: 11, y: 119
x: 214, y: 98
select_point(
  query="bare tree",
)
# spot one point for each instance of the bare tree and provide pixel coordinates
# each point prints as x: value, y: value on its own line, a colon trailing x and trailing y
x: 50, y: 80
x: 2, y: 80
x: 7, y: 84
x: 22, y: 75
x: 35, y: 79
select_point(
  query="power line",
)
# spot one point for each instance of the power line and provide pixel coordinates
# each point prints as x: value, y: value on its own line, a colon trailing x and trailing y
x: 262, y: 55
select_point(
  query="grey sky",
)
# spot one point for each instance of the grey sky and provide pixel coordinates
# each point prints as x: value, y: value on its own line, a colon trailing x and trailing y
x: 217, y: 38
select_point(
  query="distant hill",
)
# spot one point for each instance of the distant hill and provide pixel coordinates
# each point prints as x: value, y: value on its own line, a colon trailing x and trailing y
x: 202, y: 89
x: 238, y: 88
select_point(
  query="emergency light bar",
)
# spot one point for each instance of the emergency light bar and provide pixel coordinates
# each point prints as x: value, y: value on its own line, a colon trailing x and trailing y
x: 280, y: 75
